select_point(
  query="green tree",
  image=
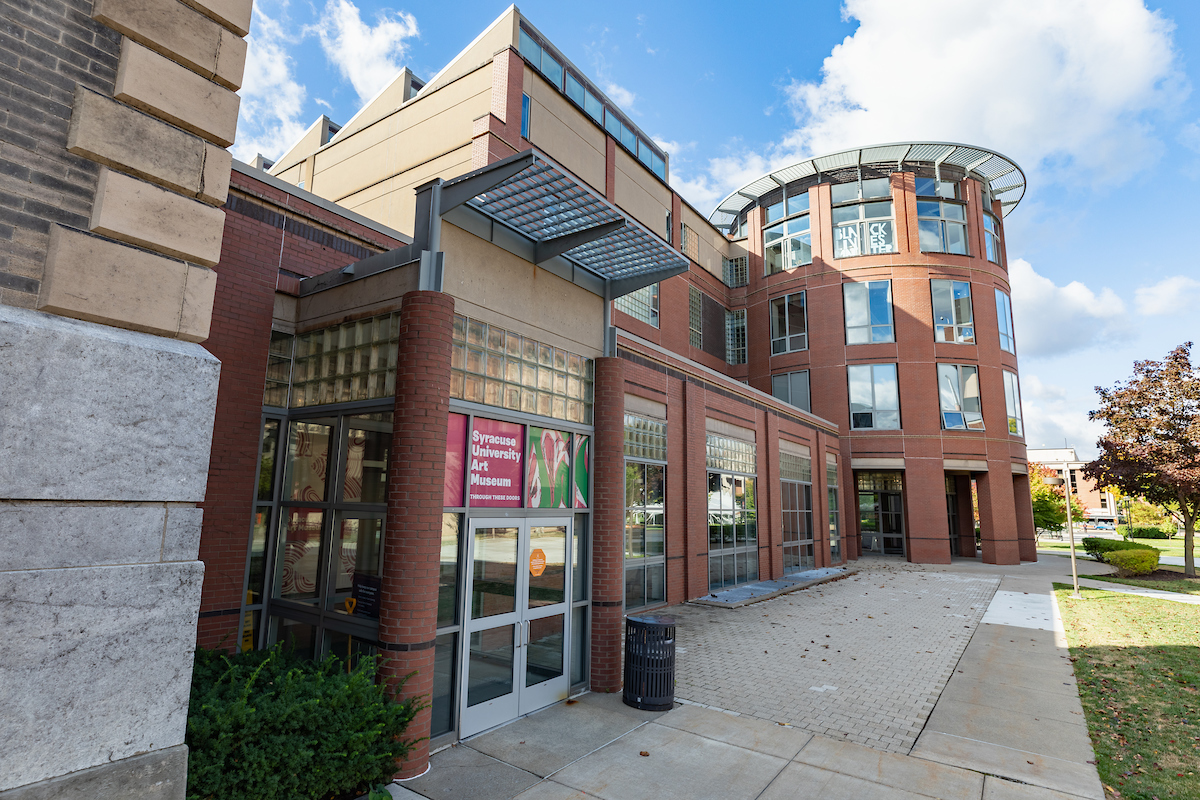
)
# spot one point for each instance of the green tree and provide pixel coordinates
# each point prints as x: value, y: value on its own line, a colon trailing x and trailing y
x: 1151, y: 444
x: 1049, y: 512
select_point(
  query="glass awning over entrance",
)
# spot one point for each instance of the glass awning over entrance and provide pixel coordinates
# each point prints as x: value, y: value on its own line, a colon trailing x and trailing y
x: 561, y: 216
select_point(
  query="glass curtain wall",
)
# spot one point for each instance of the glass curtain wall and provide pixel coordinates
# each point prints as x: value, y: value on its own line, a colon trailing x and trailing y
x: 797, y: 512
x: 645, y: 512
x: 732, y: 512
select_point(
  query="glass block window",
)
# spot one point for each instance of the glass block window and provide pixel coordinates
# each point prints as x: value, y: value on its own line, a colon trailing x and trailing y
x: 795, y: 468
x: 792, y: 387
x: 831, y: 487
x: 1004, y: 316
x: 878, y: 481
x: 952, y: 319
x: 645, y: 438
x: 730, y: 455
x: 732, y: 530
x: 789, y: 324
x: 500, y: 368
x: 735, y: 271
x: 689, y: 242
x: 352, y: 361
x: 279, y: 369
x: 1012, y: 403
x: 695, y: 317
x: 641, y: 304
x: 735, y: 336
x: 868, y: 312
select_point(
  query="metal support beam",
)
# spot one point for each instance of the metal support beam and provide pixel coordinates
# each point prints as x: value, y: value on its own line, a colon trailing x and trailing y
x: 460, y: 190
x: 547, y: 249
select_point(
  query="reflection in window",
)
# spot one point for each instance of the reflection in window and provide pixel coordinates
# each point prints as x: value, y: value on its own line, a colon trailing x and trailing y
x: 863, y: 229
x: 796, y: 512
x: 792, y: 388
x: 874, y: 397
x: 1004, y: 318
x: 942, y: 227
x: 525, y: 116
x: 645, y: 527
x: 868, y: 312
x: 952, y: 319
x: 991, y: 237
x: 732, y: 530
x: 835, y: 528
x: 789, y: 324
x: 958, y: 393
x: 1012, y: 403
x: 787, y: 245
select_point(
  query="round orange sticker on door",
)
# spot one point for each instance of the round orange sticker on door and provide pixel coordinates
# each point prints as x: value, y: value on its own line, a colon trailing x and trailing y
x: 537, y: 563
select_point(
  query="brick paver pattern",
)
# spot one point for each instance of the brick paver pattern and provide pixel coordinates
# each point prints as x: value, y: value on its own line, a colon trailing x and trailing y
x: 863, y: 659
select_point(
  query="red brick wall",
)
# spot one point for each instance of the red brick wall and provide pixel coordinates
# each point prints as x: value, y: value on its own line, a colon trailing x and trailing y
x: 608, y: 526
x: 253, y: 253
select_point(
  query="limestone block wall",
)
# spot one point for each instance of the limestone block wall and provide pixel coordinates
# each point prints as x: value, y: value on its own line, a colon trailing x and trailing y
x: 112, y: 176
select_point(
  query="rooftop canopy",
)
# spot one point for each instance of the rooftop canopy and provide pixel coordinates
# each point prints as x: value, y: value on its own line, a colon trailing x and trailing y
x: 1000, y: 174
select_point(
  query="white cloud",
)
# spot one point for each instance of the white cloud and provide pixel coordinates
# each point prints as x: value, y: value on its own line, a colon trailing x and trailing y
x: 272, y: 101
x: 1052, y: 320
x: 1064, y: 88
x: 1170, y: 296
x: 620, y: 95
x: 1051, y: 422
x: 1032, y: 386
x: 367, y: 56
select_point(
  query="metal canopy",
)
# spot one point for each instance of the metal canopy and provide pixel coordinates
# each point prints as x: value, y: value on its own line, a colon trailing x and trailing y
x: 1005, y: 179
x: 538, y: 199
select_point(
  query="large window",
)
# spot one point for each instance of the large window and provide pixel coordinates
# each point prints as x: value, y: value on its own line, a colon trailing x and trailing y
x: 874, y: 397
x: 952, y: 319
x: 645, y: 511
x: 1004, y: 318
x: 525, y: 116
x: 695, y: 317
x: 641, y: 304
x: 942, y: 227
x: 835, y: 527
x: 789, y: 324
x: 796, y: 492
x: 868, y: 312
x: 991, y: 237
x: 735, y: 271
x: 735, y: 336
x: 732, y: 512
x: 789, y: 244
x: 1012, y: 403
x: 958, y: 393
x: 862, y: 228
x: 792, y: 387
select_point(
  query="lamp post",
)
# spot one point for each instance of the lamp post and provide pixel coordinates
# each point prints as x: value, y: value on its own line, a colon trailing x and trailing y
x: 1071, y: 533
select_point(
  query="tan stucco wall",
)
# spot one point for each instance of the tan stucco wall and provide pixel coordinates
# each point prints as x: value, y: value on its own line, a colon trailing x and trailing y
x: 712, y: 245
x: 393, y: 202
x: 564, y: 133
x: 639, y: 193
x: 483, y: 277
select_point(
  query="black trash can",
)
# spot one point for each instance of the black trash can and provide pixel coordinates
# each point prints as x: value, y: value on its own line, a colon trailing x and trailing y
x: 650, y: 662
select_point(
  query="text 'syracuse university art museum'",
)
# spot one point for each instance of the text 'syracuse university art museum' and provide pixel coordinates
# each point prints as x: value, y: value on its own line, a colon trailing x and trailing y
x: 477, y: 382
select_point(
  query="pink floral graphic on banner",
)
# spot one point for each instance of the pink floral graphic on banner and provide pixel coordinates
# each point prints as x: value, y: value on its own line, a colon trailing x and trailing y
x: 548, y: 469
x: 456, y: 443
x: 496, y: 449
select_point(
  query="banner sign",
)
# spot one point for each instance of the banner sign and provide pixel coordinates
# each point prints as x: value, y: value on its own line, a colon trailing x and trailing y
x: 496, y: 449
x: 548, y: 469
x: 583, y: 466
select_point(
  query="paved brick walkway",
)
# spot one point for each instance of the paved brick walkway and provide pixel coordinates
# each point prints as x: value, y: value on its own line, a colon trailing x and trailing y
x: 862, y: 660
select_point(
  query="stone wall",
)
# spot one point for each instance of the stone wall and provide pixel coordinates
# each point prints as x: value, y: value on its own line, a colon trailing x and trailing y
x: 112, y: 174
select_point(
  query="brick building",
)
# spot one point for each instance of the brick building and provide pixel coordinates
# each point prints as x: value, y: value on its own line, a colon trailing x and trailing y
x: 1099, y: 504
x: 545, y: 391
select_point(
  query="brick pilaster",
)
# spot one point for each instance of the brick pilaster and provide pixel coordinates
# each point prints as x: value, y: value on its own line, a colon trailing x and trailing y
x: 997, y: 515
x: 408, y: 614
x: 1026, y: 533
x: 608, y: 525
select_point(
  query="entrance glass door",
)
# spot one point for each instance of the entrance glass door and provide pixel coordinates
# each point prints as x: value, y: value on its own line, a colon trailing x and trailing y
x: 517, y: 620
x: 882, y: 520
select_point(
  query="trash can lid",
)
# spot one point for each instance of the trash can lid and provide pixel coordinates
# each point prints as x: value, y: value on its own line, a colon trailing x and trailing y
x: 652, y: 619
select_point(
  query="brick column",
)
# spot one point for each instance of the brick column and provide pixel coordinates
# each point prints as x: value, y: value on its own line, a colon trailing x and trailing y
x: 928, y: 525
x: 1026, y: 535
x: 966, y: 515
x: 695, y: 469
x: 997, y: 515
x: 408, y: 612
x: 608, y: 525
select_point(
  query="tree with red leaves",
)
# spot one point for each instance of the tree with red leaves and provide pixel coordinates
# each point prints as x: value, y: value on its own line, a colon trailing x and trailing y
x: 1151, y: 445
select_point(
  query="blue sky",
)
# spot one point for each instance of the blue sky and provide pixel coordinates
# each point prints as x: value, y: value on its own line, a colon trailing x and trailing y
x: 1093, y: 98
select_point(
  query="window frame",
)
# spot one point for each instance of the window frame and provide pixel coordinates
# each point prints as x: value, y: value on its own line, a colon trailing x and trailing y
x: 875, y: 409
x: 784, y: 343
x: 789, y: 379
x: 960, y: 377
x: 1008, y: 341
x: 871, y: 326
x: 962, y: 332
x: 525, y: 114
x: 940, y: 224
x: 632, y: 302
x: 991, y: 237
x: 1012, y: 403
x: 645, y: 561
x: 736, y: 346
x: 862, y: 223
x: 790, y: 238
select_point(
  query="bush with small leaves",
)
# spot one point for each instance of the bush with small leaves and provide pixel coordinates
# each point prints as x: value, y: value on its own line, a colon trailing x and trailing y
x: 1096, y: 547
x: 1139, y: 561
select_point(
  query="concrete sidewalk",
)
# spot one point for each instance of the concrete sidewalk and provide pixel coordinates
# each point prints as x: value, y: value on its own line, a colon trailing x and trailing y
x: 1006, y: 726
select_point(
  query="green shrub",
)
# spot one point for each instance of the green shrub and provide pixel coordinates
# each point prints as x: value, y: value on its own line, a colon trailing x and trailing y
x: 269, y: 726
x: 1096, y: 547
x: 1135, y: 561
x: 1148, y: 533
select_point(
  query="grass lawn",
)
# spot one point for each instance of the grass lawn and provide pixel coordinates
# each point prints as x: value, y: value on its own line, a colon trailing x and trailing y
x: 1175, y: 583
x: 1137, y: 662
x: 1169, y: 547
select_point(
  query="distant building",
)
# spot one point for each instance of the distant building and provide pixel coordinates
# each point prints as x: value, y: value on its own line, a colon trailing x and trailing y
x: 1100, y: 505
